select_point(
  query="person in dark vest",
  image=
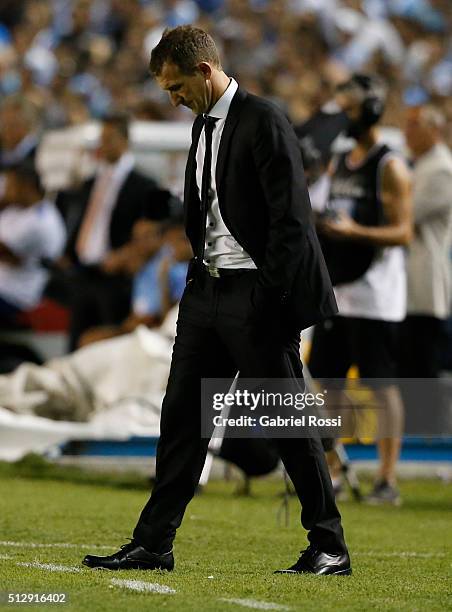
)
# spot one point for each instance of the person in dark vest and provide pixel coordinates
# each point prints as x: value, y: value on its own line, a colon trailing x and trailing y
x: 363, y: 231
x: 258, y: 277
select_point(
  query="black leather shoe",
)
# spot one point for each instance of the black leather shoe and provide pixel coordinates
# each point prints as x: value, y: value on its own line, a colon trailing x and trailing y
x: 132, y: 556
x: 314, y: 561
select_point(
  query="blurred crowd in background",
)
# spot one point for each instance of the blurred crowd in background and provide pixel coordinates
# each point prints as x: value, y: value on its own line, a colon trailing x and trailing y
x: 77, y: 59
x: 111, y: 257
x: 110, y: 251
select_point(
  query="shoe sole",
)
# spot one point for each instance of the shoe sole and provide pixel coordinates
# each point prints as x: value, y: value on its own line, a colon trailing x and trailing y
x: 135, y: 567
x: 125, y: 569
x: 343, y: 572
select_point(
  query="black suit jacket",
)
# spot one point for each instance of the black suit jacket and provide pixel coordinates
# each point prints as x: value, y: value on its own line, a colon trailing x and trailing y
x: 138, y: 197
x: 265, y: 204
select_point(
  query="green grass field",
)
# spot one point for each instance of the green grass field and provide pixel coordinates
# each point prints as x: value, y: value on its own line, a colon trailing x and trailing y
x: 226, y: 549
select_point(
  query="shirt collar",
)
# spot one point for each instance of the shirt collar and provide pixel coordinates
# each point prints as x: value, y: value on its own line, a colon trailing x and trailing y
x: 221, y: 108
x: 122, y: 167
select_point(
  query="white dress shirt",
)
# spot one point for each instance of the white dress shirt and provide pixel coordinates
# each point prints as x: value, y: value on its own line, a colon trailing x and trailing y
x: 221, y: 249
x: 97, y: 243
x: 32, y: 234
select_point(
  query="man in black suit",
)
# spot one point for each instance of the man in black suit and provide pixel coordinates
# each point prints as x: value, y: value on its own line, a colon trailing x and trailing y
x: 93, y: 278
x: 257, y: 278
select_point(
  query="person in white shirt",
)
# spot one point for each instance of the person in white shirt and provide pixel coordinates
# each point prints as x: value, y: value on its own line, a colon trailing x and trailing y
x: 428, y: 261
x: 31, y: 231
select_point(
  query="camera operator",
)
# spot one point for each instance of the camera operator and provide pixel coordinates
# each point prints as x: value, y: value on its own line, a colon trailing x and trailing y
x: 363, y: 232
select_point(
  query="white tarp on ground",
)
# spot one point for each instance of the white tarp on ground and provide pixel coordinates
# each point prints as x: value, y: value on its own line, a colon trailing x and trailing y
x: 112, y: 389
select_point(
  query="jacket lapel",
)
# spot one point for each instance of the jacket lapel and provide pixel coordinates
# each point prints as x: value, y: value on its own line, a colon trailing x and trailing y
x: 228, y: 130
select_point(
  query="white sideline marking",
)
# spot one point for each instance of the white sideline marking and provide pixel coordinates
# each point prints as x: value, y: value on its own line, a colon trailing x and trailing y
x: 5, y: 557
x: 402, y: 554
x: 253, y: 603
x: 364, y: 553
x: 143, y: 587
x: 52, y: 545
x: 51, y: 567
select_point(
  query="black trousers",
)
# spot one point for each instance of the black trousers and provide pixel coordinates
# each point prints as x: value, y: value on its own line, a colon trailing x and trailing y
x: 93, y: 297
x: 423, y: 339
x: 341, y: 342
x: 215, y: 338
x: 421, y: 345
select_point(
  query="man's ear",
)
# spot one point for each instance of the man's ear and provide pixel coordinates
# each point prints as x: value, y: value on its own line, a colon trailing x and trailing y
x: 205, y: 69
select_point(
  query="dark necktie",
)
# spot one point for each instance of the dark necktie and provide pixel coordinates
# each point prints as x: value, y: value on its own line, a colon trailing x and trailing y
x: 206, y: 190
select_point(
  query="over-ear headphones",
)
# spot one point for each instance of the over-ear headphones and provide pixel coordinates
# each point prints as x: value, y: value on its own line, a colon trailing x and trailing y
x: 373, y: 104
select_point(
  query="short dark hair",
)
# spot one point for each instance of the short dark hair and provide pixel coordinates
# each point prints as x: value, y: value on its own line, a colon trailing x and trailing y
x: 184, y: 46
x: 120, y: 121
x: 367, y: 85
x: 26, y: 172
